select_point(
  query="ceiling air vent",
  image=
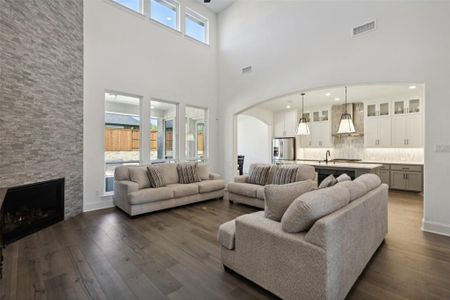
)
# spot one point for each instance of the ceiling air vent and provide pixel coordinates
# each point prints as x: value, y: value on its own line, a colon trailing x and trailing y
x: 246, y: 70
x: 364, y: 28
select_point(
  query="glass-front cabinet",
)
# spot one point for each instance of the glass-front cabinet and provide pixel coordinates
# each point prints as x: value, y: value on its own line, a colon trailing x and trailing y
x: 378, y: 109
x: 410, y: 106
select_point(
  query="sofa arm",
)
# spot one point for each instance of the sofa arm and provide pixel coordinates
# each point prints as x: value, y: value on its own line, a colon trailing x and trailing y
x: 125, y: 187
x: 281, y: 262
x: 214, y: 176
x: 241, y: 179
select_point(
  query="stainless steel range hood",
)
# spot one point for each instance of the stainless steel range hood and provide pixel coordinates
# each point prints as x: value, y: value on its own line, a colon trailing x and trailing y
x: 356, y: 110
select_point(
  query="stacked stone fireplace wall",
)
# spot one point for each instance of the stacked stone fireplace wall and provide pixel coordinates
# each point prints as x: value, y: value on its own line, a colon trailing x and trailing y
x: 41, y: 95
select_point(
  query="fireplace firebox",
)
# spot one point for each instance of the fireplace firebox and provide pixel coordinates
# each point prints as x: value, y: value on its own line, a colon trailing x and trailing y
x: 29, y: 208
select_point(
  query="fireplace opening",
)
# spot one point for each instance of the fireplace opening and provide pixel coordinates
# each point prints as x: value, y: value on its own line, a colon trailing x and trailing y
x: 29, y: 208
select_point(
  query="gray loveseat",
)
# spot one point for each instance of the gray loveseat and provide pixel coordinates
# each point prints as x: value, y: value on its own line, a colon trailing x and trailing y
x: 321, y: 263
x: 133, y: 194
x: 240, y: 191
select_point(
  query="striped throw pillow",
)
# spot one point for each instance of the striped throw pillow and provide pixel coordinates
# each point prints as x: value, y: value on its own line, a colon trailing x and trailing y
x: 285, y: 175
x: 188, y: 173
x: 155, y: 177
x: 259, y: 175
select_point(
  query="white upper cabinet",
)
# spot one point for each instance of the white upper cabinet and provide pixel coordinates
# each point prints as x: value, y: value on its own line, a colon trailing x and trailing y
x: 402, y: 107
x: 377, y: 125
x: 320, y: 128
x: 407, y: 131
x: 285, y: 123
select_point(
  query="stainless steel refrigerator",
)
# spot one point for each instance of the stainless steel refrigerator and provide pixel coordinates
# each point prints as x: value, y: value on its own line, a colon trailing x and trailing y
x: 283, y: 148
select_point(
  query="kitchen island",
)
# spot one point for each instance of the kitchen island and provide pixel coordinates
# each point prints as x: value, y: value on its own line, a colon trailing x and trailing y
x: 325, y: 169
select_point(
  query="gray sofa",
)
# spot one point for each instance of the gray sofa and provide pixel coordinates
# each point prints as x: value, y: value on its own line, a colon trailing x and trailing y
x: 321, y: 263
x: 240, y: 191
x: 133, y: 194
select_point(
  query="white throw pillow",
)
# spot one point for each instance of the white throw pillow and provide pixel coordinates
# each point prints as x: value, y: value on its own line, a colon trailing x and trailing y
x: 343, y: 177
x: 327, y: 182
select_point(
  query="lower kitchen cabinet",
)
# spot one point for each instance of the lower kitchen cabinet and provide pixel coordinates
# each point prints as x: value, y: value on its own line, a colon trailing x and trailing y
x: 385, y: 176
x: 407, y: 181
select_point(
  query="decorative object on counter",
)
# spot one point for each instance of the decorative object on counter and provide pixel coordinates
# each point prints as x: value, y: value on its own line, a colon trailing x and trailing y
x: 346, y: 125
x: 327, y: 182
x: 303, y: 128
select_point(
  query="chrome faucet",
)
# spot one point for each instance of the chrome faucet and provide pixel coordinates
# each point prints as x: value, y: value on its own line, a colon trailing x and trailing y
x: 327, y: 154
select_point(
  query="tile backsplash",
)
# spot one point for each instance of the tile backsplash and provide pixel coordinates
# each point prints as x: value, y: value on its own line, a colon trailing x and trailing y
x: 353, y: 148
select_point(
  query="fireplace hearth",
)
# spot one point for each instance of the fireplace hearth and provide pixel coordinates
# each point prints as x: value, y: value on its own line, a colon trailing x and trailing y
x: 30, y: 208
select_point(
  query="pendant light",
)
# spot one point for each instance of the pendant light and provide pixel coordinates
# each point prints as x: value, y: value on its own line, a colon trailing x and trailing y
x: 303, y: 128
x: 346, y: 124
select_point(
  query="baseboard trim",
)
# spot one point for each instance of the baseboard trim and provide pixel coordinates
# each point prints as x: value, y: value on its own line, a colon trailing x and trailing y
x: 107, y: 203
x: 435, y: 227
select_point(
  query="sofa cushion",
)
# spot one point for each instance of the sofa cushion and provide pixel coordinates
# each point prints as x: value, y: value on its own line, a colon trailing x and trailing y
x: 121, y: 173
x: 150, y: 195
x: 155, y: 177
x: 207, y: 186
x: 226, y: 234
x: 259, y: 175
x: 188, y: 173
x: 140, y: 176
x: 182, y: 190
x: 203, y: 171
x: 357, y: 189
x: 273, y: 169
x: 343, y: 177
x: 278, y: 197
x: 371, y: 181
x: 305, y: 172
x: 169, y: 172
x: 260, y: 193
x: 327, y: 182
x: 244, y: 189
x: 309, y: 207
x: 285, y: 174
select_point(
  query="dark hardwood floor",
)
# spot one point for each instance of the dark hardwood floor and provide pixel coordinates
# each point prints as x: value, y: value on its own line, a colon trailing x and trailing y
x: 173, y: 254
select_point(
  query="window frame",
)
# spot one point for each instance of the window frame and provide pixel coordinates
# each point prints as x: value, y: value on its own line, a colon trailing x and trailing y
x: 205, y: 157
x: 140, y: 161
x: 175, y: 137
x: 175, y: 4
x: 195, y: 16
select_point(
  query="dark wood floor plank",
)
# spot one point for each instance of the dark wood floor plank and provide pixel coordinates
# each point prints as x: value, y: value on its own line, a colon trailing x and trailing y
x: 174, y: 254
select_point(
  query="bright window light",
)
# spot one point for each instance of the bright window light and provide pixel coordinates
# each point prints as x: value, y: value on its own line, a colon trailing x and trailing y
x: 196, y: 27
x: 165, y: 12
x: 131, y: 4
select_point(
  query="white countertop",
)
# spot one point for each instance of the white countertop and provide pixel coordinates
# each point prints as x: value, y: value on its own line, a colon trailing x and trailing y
x: 393, y: 162
x: 338, y: 165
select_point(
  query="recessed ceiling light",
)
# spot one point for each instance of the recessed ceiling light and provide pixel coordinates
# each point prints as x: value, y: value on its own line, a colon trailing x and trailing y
x: 412, y: 87
x: 328, y: 94
x: 288, y: 106
x: 337, y: 99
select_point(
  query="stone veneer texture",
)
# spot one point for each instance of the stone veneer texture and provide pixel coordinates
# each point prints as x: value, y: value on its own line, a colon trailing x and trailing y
x: 41, y: 95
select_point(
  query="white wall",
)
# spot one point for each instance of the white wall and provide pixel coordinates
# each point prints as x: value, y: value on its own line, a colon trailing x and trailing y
x: 296, y: 46
x: 253, y: 140
x: 126, y: 52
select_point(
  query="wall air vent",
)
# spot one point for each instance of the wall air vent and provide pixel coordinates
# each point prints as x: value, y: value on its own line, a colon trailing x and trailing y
x: 246, y: 70
x: 370, y: 26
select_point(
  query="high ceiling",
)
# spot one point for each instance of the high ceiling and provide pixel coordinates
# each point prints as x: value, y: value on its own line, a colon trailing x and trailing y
x: 217, y: 5
x: 356, y: 93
